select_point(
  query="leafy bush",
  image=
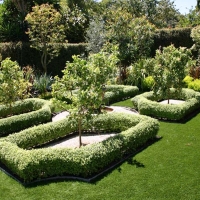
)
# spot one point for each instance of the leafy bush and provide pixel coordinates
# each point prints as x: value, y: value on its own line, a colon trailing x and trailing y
x: 36, y: 111
x: 187, y: 80
x: 36, y: 164
x: 147, y: 104
x: 148, y: 83
x: 195, y: 85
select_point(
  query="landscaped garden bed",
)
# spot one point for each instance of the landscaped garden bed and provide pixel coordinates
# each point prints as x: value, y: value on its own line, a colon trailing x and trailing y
x: 25, y: 113
x: 149, y: 104
x: 17, y: 151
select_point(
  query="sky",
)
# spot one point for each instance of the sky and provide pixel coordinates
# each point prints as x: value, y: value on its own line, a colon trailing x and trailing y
x: 185, y: 5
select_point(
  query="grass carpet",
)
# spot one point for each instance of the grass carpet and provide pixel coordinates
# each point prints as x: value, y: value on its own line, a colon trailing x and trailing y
x: 169, y: 169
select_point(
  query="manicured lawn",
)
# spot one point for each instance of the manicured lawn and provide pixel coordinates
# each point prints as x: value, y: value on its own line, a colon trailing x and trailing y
x: 125, y: 103
x: 168, y: 169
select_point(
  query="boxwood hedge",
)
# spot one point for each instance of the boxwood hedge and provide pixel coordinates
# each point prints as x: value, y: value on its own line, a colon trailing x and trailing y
x: 148, y: 104
x: 35, y: 164
x: 27, y: 113
x: 116, y: 93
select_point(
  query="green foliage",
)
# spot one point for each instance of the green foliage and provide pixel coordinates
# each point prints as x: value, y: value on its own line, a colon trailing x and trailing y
x: 147, y: 104
x: 42, y: 83
x: 114, y: 93
x: 148, y: 83
x: 74, y: 21
x: 126, y: 32
x: 47, y: 162
x: 28, y: 112
x: 45, y: 32
x: 180, y: 37
x: 88, y: 77
x: 187, y: 80
x: 13, y: 86
x: 191, y: 19
x: 24, y: 55
x: 170, y: 69
x: 195, y: 85
x: 138, y: 71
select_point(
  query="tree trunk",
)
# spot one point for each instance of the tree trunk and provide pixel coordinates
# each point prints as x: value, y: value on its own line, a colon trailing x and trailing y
x: 80, y: 131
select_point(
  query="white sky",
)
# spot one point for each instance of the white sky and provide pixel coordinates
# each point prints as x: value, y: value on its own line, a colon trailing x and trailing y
x: 185, y: 5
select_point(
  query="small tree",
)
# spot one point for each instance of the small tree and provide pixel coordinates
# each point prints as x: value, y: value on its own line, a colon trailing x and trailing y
x: 88, y: 78
x: 13, y: 86
x: 170, y: 69
x: 45, y: 32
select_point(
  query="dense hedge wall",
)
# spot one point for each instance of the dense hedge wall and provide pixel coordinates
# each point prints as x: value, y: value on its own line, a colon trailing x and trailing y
x: 177, y: 36
x: 36, y: 164
x: 116, y: 93
x: 27, y: 113
x: 147, y: 104
x: 24, y: 55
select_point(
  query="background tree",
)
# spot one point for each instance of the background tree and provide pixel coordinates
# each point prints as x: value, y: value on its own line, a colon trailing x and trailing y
x: 45, y: 31
x: 88, y: 78
x: 191, y: 19
x: 13, y: 86
x: 126, y: 32
x: 75, y: 22
x: 170, y: 69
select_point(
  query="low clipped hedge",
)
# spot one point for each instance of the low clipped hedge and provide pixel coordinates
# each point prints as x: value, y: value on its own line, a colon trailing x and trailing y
x: 26, y: 113
x: 147, y: 104
x: 115, y: 93
x: 37, y: 164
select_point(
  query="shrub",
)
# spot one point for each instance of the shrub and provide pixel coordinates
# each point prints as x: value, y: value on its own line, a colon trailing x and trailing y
x: 148, y: 83
x: 187, y: 80
x: 28, y: 112
x: 36, y: 164
x: 116, y: 93
x: 195, y: 85
x: 147, y: 104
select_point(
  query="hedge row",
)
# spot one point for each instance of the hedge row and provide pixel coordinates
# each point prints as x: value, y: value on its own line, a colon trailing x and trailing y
x: 28, y: 112
x: 116, y: 93
x: 177, y: 36
x: 36, y: 164
x: 147, y: 104
x: 25, y: 55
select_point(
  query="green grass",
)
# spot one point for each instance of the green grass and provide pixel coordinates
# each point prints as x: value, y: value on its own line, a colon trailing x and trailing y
x: 125, y: 103
x: 168, y: 169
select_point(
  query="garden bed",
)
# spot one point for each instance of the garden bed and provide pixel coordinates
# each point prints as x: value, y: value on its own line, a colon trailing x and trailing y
x: 148, y: 104
x: 26, y: 113
x: 31, y: 165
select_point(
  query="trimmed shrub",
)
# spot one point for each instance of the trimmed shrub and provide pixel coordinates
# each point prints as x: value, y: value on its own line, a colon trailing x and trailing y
x: 36, y: 164
x: 28, y: 112
x: 116, y: 93
x: 180, y: 37
x: 147, y: 104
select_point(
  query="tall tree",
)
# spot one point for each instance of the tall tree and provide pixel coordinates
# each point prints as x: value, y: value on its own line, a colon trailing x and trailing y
x: 170, y: 70
x: 45, y: 31
x: 88, y: 78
